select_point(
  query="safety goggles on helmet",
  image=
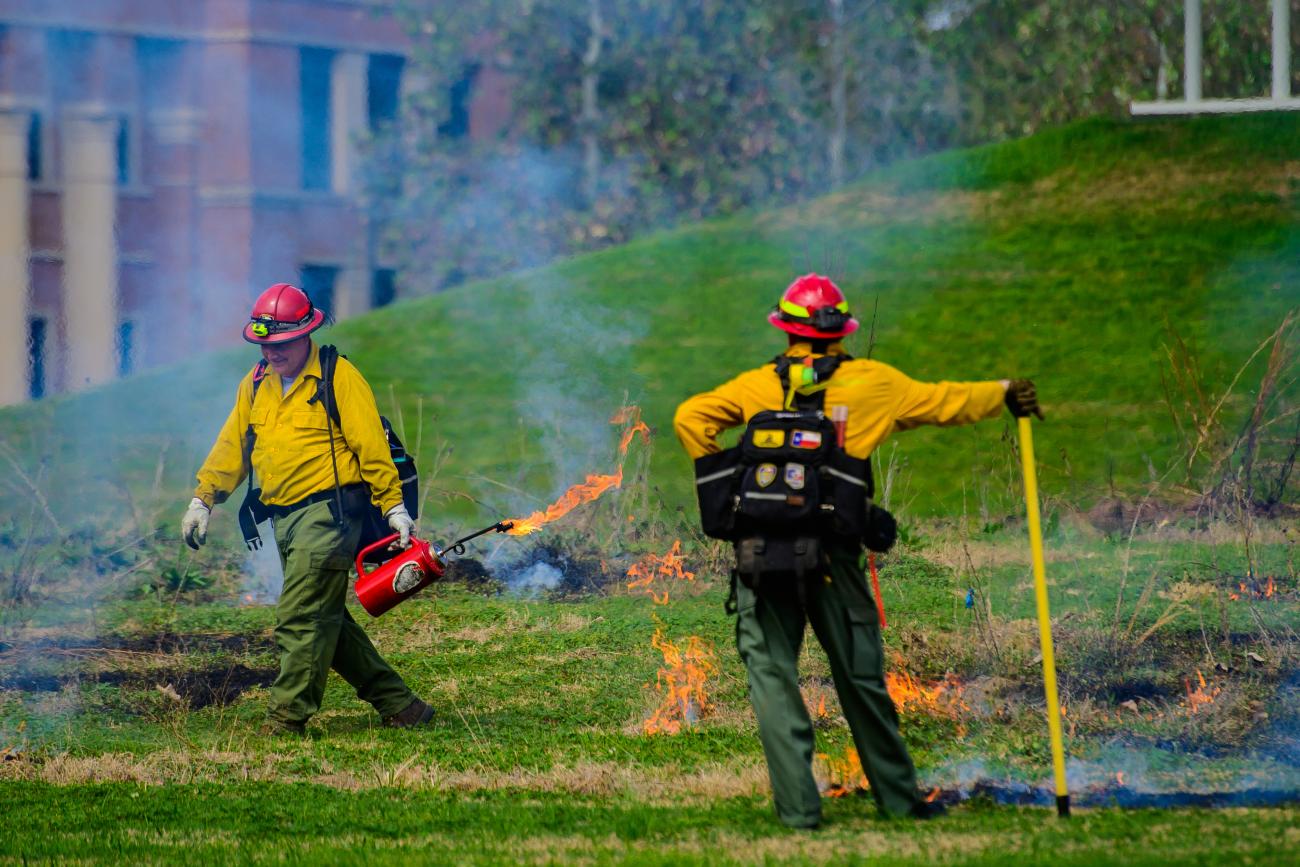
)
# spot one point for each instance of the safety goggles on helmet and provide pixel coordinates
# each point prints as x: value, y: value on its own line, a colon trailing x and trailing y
x: 828, y: 318
x: 265, y: 325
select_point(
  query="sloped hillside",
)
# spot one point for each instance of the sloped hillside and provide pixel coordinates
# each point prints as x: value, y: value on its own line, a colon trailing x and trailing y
x: 1070, y: 257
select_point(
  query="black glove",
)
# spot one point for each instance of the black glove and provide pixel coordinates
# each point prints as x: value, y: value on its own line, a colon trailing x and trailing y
x: 882, y: 530
x: 1022, y: 399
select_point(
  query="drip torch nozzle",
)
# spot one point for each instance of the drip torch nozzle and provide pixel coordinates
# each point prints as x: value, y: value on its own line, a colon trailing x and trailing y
x: 458, y: 547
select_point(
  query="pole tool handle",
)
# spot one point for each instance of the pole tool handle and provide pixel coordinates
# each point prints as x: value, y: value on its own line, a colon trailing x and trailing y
x: 1044, y: 617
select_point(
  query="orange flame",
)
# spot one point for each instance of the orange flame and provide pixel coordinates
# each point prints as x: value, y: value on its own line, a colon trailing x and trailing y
x: 814, y: 699
x: 844, y: 773
x: 682, y: 678
x: 944, y: 698
x: 649, y: 567
x: 1119, y: 778
x: 1200, y: 695
x: 1253, y: 590
x: 595, y: 485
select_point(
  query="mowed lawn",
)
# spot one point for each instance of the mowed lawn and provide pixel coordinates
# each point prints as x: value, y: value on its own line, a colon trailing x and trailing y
x: 273, y: 823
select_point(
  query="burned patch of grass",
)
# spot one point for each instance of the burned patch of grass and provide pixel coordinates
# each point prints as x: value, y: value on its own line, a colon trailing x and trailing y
x: 197, y: 688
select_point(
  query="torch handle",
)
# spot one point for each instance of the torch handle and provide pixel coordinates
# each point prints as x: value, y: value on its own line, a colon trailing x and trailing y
x: 361, y: 555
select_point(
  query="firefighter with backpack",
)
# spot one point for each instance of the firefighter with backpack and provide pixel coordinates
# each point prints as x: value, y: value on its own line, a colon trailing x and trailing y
x: 305, y: 423
x: 794, y: 497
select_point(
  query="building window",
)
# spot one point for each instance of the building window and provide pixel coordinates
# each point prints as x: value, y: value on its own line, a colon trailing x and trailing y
x: 314, y: 99
x: 71, y: 63
x: 318, y: 282
x: 383, y: 88
x: 458, y: 98
x: 383, y: 287
x: 125, y: 347
x: 35, y: 169
x: 123, y: 151
x: 161, y: 65
x: 36, y: 357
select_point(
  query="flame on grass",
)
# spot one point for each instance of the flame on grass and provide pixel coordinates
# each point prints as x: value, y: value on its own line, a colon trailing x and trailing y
x: 1202, y: 694
x: 943, y: 698
x: 595, y: 485
x: 644, y: 572
x: 815, y: 697
x: 844, y: 774
x: 682, y: 679
x: 1254, y: 590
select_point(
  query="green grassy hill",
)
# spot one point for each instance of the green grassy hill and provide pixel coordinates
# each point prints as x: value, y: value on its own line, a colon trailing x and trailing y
x: 1065, y: 257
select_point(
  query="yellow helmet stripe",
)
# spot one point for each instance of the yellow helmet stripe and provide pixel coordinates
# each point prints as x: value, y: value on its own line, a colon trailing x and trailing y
x: 794, y: 309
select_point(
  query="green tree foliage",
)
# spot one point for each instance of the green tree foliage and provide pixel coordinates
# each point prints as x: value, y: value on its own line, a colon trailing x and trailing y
x: 632, y: 114
x: 1020, y: 66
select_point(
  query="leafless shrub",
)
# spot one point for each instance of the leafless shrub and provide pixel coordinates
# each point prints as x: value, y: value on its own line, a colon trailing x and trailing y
x: 1250, y: 469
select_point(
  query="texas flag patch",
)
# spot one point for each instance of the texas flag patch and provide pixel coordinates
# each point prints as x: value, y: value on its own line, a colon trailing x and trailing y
x: 806, y: 439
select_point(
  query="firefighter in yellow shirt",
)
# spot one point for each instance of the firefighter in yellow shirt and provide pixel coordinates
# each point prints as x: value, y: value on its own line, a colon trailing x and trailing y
x: 297, y: 456
x: 794, y: 498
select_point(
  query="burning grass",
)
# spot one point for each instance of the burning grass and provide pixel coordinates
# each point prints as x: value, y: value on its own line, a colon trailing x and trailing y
x: 682, y: 679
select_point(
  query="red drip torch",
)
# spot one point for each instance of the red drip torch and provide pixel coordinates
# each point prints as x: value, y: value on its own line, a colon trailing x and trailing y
x: 408, y: 572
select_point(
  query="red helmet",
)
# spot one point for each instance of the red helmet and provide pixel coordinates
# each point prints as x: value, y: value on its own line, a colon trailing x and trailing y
x: 813, y: 306
x: 282, y: 313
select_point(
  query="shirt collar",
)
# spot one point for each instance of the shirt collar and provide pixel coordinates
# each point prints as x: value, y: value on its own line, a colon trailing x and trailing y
x: 803, y: 347
x: 311, y: 368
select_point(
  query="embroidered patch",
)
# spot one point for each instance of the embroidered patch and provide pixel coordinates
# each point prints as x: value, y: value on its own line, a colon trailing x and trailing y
x: 765, y: 474
x: 794, y: 476
x: 769, y: 439
x: 806, y: 439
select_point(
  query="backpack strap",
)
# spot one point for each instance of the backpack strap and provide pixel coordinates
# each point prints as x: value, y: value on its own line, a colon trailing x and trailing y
x: 329, y: 359
x: 809, y: 392
x: 259, y: 374
x: 250, y: 509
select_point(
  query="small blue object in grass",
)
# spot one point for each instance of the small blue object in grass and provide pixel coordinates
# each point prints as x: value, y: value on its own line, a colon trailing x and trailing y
x: 970, y: 597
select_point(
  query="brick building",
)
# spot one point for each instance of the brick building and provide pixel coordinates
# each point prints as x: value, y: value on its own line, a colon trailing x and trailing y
x: 161, y: 162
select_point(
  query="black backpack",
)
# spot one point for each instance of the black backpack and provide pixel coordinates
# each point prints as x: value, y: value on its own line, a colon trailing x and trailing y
x: 349, y: 500
x: 788, y: 484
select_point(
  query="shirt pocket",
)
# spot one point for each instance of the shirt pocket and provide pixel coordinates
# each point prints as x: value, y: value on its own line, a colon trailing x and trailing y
x: 257, y: 417
x: 310, y: 420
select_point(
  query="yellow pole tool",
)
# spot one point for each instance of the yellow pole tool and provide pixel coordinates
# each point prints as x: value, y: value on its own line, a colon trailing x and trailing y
x: 1044, y: 617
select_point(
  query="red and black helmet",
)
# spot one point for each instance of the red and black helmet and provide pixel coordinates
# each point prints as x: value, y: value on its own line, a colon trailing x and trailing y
x: 813, y: 306
x: 282, y: 313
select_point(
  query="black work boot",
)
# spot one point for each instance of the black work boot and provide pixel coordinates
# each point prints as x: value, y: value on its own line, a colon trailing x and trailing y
x: 417, y: 713
x: 928, y: 810
x: 279, y: 728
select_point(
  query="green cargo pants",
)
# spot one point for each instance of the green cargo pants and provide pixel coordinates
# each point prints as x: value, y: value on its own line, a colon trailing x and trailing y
x: 769, y: 632
x: 313, y: 628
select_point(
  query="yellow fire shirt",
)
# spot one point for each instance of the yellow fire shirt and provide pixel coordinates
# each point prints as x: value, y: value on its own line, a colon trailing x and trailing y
x: 291, y: 457
x: 880, y: 400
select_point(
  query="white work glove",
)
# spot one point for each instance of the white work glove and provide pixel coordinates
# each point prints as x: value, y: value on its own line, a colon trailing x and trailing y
x: 194, y: 526
x: 399, y: 520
